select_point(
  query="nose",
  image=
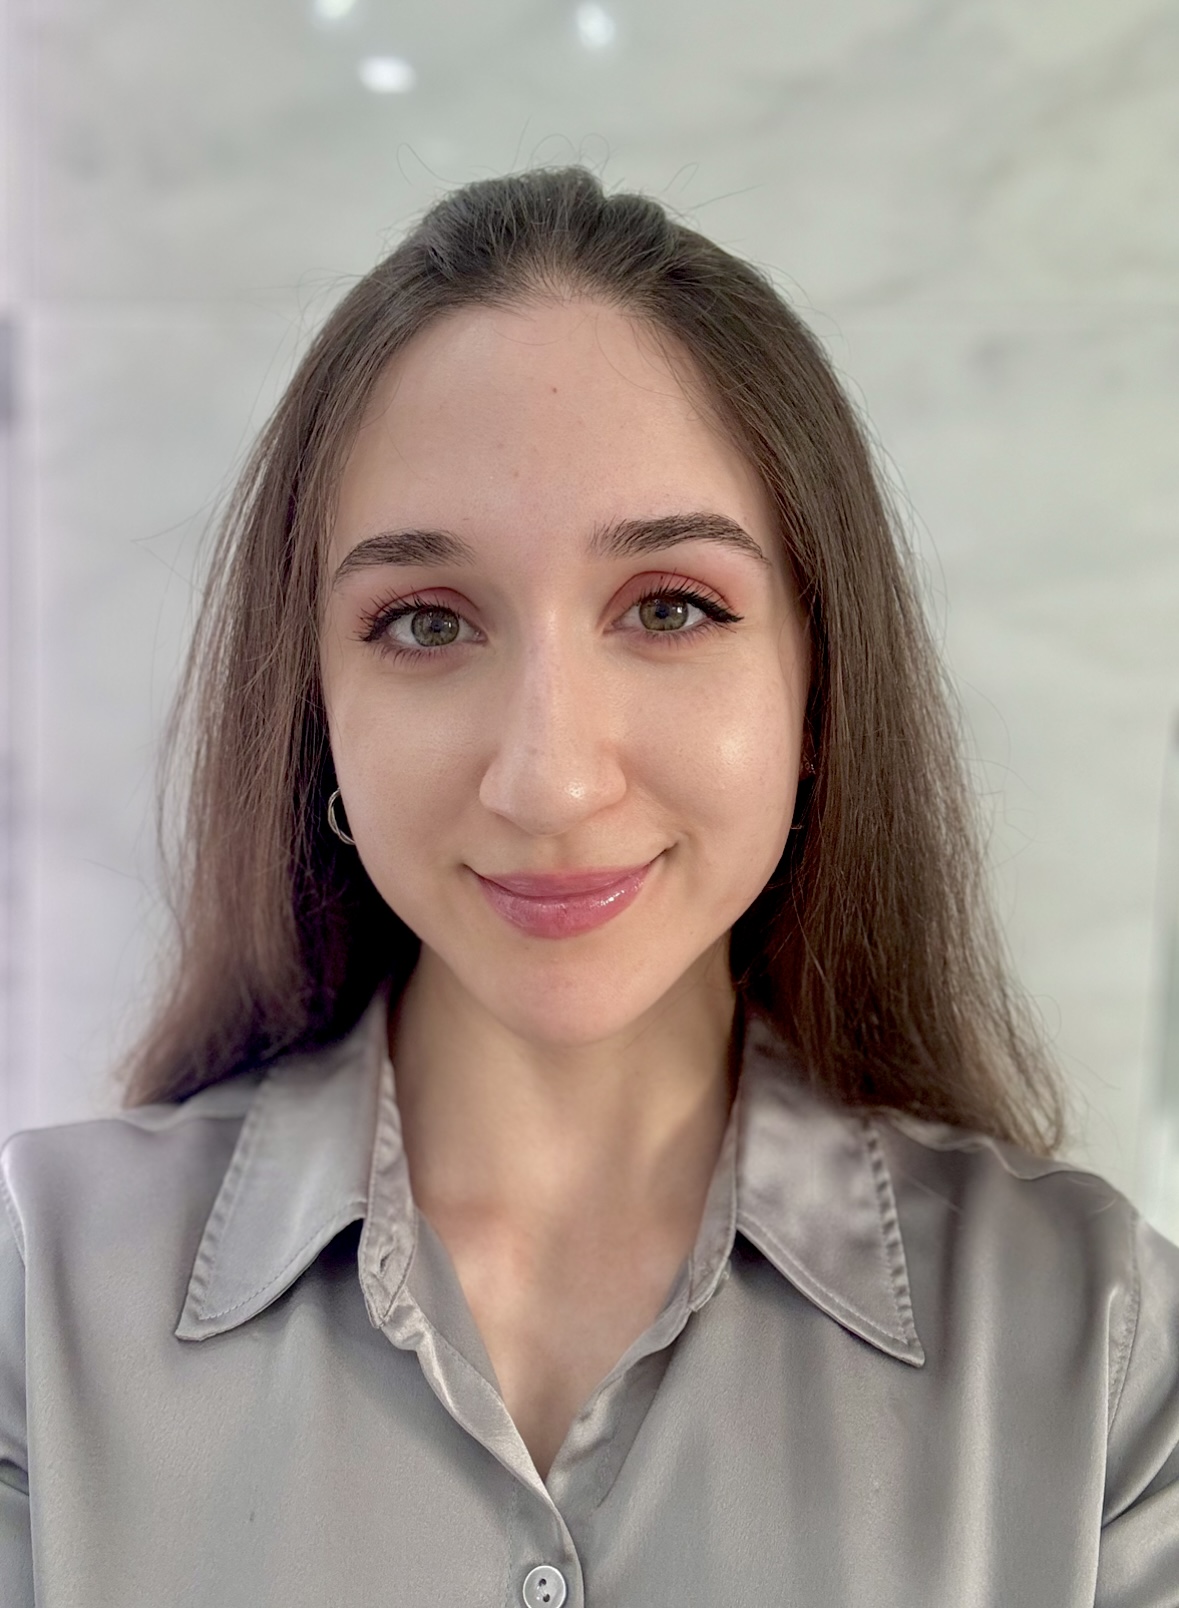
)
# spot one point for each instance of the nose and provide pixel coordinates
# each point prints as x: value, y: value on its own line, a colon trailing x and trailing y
x: 555, y: 758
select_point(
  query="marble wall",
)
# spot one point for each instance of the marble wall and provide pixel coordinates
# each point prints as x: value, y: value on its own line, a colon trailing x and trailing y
x: 972, y: 201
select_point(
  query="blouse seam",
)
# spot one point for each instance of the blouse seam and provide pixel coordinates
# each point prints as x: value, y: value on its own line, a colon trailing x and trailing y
x: 892, y: 1242
x: 229, y: 1195
x: 1130, y: 1329
x: 14, y: 1218
x: 401, y: 1282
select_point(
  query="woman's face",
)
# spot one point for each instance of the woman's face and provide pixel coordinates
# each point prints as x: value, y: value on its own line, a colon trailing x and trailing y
x: 501, y: 699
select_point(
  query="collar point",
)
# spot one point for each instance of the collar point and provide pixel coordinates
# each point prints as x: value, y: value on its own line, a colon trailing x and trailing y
x: 194, y: 1325
x: 908, y: 1349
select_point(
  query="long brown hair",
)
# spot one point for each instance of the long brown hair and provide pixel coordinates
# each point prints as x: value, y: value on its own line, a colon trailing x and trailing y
x: 872, y: 949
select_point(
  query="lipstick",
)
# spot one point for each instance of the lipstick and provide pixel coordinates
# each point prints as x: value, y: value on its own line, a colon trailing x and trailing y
x: 563, y: 904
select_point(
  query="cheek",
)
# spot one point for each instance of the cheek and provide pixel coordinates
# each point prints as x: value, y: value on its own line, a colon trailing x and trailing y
x: 403, y: 766
x: 726, y: 760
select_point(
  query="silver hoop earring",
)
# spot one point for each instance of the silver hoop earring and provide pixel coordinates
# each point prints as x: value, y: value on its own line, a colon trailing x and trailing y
x: 331, y: 815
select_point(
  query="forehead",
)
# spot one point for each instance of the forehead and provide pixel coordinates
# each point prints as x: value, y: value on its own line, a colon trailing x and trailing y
x: 553, y: 356
x: 556, y: 416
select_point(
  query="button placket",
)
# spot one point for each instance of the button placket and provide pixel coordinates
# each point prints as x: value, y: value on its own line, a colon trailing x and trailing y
x: 544, y: 1587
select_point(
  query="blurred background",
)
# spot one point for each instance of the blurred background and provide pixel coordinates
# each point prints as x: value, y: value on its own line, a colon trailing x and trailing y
x: 975, y: 203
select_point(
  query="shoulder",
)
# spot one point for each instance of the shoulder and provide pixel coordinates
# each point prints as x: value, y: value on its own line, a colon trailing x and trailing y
x: 972, y: 1170
x: 1046, y: 1233
x: 1047, y: 1269
x: 972, y: 1188
x: 96, y: 1176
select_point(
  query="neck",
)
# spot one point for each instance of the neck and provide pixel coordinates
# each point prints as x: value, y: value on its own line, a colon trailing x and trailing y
x: 503, y: 1127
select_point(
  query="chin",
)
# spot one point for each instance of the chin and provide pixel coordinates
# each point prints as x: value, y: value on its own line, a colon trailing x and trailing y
x: 572, y: 1011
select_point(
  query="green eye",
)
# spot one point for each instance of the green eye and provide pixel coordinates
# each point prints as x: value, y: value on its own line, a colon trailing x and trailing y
x: 434, y: 628
x: 661, y: 613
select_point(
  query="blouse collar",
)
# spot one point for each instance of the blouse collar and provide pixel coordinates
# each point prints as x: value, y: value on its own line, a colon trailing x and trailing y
x: 804, y: 1179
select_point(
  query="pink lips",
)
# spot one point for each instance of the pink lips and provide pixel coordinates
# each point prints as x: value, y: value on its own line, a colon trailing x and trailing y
x: 563, y: 904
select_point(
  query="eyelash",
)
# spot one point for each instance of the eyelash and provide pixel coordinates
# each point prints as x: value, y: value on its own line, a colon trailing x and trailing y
x: 379, y: 621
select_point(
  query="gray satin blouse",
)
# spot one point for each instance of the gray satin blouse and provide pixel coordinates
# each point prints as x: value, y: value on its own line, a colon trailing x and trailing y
x: 903, y: 1367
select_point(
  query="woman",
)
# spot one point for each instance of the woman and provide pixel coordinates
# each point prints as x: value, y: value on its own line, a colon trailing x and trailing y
x: 588, y: 1150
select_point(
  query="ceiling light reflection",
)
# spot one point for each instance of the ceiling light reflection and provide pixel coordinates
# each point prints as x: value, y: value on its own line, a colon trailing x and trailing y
x: 387, y: 75
x: 595, y: 26
x: 332, y: 10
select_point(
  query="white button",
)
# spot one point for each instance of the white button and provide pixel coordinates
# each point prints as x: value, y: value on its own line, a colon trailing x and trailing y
x: 544, y: 1587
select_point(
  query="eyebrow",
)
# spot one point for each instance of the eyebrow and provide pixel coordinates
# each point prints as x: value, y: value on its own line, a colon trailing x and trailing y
x: 623, y: 538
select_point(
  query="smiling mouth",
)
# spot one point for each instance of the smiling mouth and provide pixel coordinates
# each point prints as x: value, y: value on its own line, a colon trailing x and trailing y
x: 565, y: 884
x: 556, y: 913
